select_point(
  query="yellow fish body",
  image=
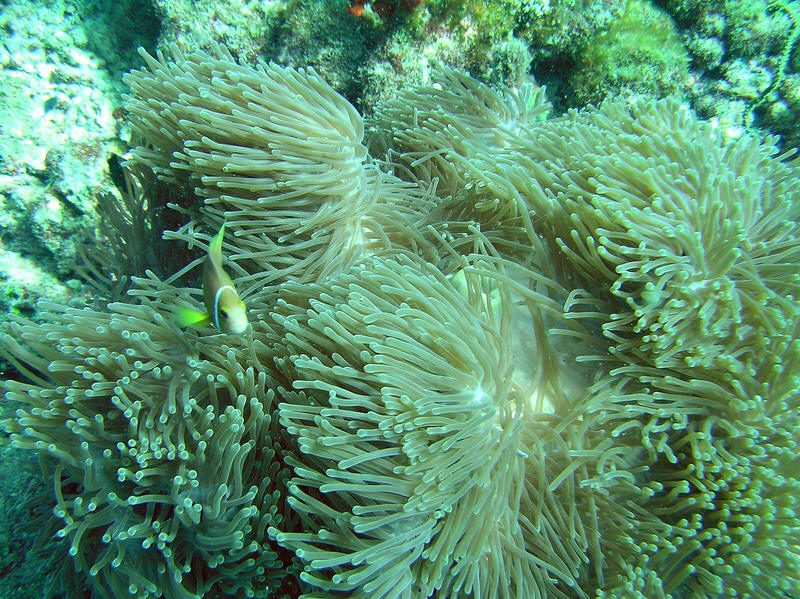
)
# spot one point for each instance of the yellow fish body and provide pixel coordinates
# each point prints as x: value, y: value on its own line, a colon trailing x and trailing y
x: 224, y: 309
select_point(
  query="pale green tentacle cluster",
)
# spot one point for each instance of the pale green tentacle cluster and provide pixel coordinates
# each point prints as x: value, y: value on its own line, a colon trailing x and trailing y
x: 507, y: 356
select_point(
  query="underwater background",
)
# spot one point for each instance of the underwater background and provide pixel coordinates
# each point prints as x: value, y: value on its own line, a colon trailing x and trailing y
x: 681, y: 479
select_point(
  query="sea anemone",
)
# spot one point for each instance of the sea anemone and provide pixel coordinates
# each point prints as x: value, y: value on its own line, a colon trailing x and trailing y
x: 161, y: 454
x: 513, y: 357
x: 275, y: 150
x: 681, y: 249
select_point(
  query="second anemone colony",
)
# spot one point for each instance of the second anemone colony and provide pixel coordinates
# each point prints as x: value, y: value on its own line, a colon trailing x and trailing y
x: 491, y: 353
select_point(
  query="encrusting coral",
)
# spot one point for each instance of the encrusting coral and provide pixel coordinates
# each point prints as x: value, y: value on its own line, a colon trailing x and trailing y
x: 510, y: 356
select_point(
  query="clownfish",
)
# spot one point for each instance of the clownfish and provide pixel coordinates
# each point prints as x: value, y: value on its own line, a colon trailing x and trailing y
x: 224, y: 308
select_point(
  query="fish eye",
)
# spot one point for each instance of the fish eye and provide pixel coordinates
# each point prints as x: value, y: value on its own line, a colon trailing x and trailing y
x: 223, y: 313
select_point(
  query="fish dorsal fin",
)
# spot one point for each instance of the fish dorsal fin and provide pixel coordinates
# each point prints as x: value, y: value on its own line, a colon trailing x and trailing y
x: 215, y: 247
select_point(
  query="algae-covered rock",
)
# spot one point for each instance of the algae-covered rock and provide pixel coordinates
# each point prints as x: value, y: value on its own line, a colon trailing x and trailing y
x: 641, y: 53
x: 59, y: 125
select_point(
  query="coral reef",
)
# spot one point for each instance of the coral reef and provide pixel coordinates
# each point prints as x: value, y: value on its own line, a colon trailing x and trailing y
x: 246, y: 27
x: 745, y: 57
x: 59, y: 125
x: 324, y: 36
x: 515, y: 356
x: 61, y: 64
x: 20, y: 568
x: 640, y: 52
x: 114, y: 29
x: 385, y: 9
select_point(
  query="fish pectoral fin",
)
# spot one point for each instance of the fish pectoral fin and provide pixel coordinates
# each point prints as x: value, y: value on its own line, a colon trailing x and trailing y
x: 186, y: 317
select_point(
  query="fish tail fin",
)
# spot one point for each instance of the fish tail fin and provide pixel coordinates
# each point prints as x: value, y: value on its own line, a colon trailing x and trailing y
x: 186, y: 317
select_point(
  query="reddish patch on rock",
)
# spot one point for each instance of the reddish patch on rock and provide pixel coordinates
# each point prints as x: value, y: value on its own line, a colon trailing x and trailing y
x: 383, y: 8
